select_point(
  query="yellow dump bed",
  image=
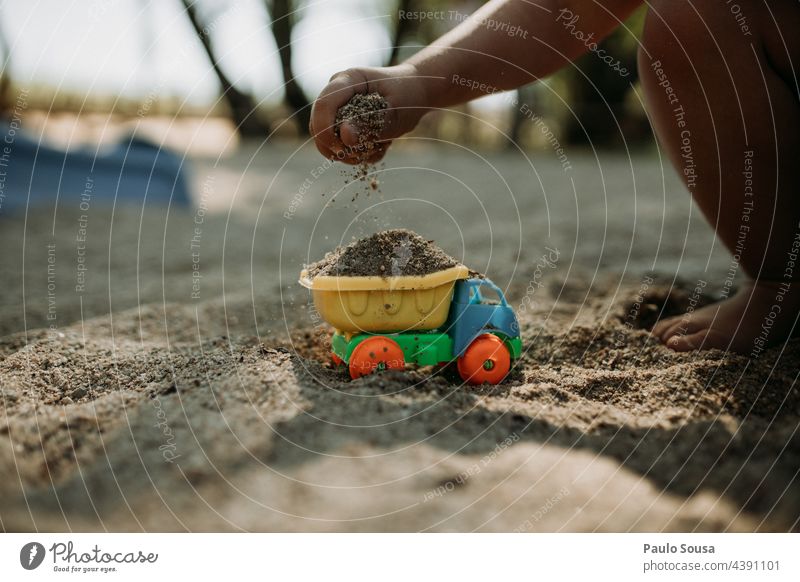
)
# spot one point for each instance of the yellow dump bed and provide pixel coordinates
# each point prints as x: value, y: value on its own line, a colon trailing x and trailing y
x: 384, y: 304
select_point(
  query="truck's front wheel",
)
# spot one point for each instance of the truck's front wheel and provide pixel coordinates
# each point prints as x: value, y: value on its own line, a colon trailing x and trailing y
x: 376, y: 353
x: 486, y: 359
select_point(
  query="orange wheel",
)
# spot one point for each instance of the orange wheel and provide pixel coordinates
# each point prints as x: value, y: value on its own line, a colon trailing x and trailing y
x: 486, y: 359
x: 337, y: 361
x: 376, y: 353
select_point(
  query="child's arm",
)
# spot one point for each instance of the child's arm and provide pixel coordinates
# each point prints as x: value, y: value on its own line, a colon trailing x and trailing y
x: 481, y: 55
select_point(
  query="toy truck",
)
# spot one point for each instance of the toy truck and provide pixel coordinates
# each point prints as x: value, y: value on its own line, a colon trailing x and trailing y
x: 384, y: 322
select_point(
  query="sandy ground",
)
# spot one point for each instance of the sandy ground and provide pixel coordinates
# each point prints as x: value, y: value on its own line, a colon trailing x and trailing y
x: 153, y: 399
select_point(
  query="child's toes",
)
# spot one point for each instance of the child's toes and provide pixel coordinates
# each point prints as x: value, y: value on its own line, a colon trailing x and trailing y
x: 699, y: 340
x: 680, y: 326
x: 661, y: 326
x: 685, y: 343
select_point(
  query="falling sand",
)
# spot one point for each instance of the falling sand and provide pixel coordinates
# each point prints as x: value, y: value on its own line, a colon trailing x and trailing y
x: 366, y: 113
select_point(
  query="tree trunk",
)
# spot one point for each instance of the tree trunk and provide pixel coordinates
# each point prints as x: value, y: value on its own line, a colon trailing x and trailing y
x: 518, y: 118
x: 5, y: 74
x: 401, y: 28
x: 282, y: 24
x: 243, y: 106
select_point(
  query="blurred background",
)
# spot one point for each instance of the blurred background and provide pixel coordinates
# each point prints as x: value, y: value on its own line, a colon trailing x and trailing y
x: 192, y: 72
x: 129, y: 123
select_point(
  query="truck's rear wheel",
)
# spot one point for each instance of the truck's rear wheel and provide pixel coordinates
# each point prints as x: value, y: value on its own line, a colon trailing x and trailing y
x: 486, y: 359
x: 376, y: 353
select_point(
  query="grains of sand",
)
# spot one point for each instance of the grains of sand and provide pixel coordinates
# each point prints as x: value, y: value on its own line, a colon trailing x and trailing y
x: 395, y: 252
x: 366, y: 112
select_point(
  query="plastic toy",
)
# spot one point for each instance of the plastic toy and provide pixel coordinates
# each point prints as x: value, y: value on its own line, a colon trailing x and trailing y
x: 384, y: 322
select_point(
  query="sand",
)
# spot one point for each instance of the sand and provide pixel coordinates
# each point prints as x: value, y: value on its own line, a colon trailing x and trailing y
x: 397, y: 252
x: 147, y: 409
x: 366, y: 112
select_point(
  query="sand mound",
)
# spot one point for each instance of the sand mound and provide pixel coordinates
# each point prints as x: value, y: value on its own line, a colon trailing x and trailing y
x: 395, y: 252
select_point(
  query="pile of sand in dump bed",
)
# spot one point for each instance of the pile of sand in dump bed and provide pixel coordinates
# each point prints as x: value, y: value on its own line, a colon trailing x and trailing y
x: 395, y: 252
x: 366, y: 114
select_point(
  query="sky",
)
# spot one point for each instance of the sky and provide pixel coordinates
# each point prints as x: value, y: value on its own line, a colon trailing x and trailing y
x: 142, y: 48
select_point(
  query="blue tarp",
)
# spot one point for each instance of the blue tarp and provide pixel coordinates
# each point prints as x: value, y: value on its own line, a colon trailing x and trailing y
x: 135, y: 171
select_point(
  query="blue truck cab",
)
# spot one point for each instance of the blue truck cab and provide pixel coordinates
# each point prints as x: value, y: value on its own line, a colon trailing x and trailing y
x: 479, y: 306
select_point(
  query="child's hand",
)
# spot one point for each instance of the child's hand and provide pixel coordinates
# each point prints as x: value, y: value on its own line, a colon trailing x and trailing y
x: 404, y: 94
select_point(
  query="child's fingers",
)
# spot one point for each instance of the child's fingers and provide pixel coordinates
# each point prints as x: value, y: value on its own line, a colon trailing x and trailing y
x: 326, y: 152
x: 322, y: 127
x: 323, y: 113
x: 349, y: 134
x: 321, y: 147
x: 348, y: 130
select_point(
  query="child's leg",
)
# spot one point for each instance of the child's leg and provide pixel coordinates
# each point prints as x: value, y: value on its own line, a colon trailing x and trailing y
x: 724, y: 102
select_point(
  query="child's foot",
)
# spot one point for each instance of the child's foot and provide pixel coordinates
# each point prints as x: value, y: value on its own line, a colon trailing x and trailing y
x: 759, y: 315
